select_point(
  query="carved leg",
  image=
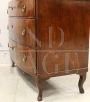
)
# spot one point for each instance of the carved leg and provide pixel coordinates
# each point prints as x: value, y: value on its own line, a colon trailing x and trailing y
x: 39, y: 85
x: 13, y: 64
x: 81, y: 82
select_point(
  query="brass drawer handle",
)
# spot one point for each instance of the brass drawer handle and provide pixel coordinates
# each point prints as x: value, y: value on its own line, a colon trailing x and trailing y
x: 23, y: 8
x: 12, y: 47
x: 10, y: 7
x: 24, y: 59
x: 24, y: 32
x: 20, y: 5
x: 9, y: 27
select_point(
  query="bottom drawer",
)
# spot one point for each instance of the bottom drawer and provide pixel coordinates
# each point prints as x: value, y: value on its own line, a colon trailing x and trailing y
x: 24, y: 57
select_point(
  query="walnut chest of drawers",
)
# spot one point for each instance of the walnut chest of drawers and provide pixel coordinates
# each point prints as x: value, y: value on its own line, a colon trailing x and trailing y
x: 49, y: 38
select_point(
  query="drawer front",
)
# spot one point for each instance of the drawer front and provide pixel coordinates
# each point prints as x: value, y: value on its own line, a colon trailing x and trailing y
x: 26, y: 59
x: 12, y: 49
x: 57, y: 62
x: 24, y: 8
x: 22, y: 31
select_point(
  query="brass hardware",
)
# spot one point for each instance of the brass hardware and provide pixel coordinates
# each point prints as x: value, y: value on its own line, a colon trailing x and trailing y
x: 10, y: 7
x: 24, y: 59
x: 24, y: 8
x: 24, y: 32
x: 11, y: 47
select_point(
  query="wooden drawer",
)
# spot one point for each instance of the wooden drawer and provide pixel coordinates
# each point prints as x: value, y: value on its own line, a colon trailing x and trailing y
x: 26, y: 59
x: 12, y: 49
x: 22, y: 31
x: 24, y: 8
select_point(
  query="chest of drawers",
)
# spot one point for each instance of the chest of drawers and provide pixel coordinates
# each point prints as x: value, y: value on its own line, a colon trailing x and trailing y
x: 49, y: 38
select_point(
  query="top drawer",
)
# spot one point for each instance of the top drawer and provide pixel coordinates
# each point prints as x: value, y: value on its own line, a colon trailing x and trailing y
x: 19, y: 8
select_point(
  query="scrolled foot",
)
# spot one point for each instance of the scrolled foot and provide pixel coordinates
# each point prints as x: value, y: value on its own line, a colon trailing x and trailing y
x: 40, y: 89
x: 81, y: 91
x: 39, y: 98
x: 81, y: 82
x: 13, y: 64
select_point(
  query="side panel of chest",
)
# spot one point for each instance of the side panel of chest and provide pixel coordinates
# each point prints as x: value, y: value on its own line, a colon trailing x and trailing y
x: 63, y: 26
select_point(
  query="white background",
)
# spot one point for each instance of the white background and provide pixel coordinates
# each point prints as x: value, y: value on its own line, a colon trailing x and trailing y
x: 4, y: 53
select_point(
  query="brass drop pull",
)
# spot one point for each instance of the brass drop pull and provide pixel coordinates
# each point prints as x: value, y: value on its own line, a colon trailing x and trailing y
x: 11, y: 8
x: 24, y: 59
x: 24, y: 32
x: 24, y: 8
x: 12, y: 47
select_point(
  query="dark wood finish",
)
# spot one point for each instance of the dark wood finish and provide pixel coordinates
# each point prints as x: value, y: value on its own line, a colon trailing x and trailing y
x: 39, y: 83
x: 81, y: 82
x: 61, y: 29
x: 22, y: 31
x: 70, y: 17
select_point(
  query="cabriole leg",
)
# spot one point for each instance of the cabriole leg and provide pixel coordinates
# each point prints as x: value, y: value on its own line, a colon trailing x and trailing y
x: 13, y: 64
x: 39, y: 83
x: 81, y: 82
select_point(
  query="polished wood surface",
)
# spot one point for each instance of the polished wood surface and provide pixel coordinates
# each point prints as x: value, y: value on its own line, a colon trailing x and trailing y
x: 69, y: 20
x: 55, y: 63
x: 50, y: 38
x: 22, y: 31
